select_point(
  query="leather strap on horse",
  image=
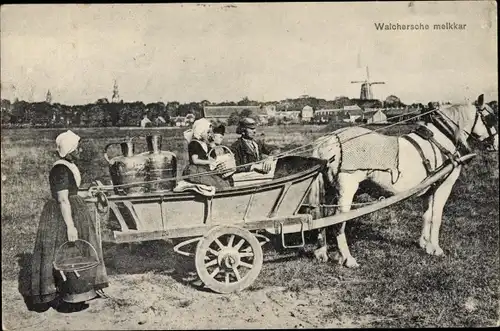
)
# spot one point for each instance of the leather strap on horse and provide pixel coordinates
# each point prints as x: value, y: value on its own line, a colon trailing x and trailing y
x: 425, y: 161
x: 426, y: 134
x: 444, y: 127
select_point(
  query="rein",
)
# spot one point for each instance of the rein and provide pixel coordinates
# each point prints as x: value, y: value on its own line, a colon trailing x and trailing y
x: 488, y: 121
x: 443, y: 123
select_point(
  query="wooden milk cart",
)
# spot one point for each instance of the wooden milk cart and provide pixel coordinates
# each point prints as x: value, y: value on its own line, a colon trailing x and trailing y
x: 228, y: 254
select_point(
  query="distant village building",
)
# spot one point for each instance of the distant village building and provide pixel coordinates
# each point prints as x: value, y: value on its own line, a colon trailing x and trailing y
x: 374, y: 116
x: 222, y: 113
x: 159, y: 121
x: 307, y: 114
x: 353, y: 113
x: 180, y: 121
x: 394, y: 114
x: 289, y: 116
x: 146, y: 122
x: 330, y: 115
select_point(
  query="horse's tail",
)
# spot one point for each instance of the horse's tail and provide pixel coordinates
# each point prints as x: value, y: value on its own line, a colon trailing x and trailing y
x: 316, y: 196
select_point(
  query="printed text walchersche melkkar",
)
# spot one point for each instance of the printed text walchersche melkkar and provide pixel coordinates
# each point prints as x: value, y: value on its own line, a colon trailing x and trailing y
x: 419, y: 26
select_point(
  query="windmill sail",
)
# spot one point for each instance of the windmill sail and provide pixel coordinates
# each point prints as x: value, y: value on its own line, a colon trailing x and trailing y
x: 366, y: 90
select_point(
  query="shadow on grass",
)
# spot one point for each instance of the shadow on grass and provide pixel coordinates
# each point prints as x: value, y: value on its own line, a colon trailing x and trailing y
x: 24, y: 287
x: 156, y: 256
x: 24, y: 283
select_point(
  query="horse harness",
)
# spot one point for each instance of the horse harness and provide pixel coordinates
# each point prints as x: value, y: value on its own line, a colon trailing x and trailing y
x: 426, y: 134
x: 444, y: 127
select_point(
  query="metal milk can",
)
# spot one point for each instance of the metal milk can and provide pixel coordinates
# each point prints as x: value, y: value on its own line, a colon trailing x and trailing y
x: 127, y: 168
x: 160, y: 165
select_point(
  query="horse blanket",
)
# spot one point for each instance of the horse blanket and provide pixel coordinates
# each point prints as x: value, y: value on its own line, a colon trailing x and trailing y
x: 363, y: 149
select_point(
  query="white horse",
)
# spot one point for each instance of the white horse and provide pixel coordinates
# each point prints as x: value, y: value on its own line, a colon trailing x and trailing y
x: 449, y: 126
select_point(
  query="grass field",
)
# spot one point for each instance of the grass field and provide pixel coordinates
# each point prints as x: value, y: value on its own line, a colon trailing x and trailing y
x: 397, y: 284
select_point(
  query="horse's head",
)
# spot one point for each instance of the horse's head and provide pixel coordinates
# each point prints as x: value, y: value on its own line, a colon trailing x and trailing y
x: 485, y: 127
x: 467, y: 120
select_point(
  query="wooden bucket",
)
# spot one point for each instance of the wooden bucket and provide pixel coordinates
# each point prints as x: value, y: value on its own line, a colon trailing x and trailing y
x: 77, y: 272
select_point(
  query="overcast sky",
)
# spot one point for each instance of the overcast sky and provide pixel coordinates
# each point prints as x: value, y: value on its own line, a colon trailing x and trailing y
x: 266, y: 52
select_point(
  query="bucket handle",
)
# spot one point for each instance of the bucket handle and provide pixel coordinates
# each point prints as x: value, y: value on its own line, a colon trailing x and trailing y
x: 223, y: 147
x: 224, y: 175
x: 76, y: 272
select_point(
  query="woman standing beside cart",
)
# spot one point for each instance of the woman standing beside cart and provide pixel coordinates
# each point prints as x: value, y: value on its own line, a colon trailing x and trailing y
x: 64, y: 218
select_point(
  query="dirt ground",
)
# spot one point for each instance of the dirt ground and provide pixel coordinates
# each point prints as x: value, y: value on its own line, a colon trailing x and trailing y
x: 151, y: 301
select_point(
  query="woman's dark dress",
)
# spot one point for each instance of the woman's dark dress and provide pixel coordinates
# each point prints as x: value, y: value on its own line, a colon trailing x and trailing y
x: 52, y: 233
x: 195, y: 148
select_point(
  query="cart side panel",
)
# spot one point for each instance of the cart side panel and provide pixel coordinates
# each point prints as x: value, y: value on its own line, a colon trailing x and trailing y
x: 147, y: 216
x: 184, y: 213
x: 236, y: 208
x: 263, y: 203
x: 293, y: 197
x: 230, y: 208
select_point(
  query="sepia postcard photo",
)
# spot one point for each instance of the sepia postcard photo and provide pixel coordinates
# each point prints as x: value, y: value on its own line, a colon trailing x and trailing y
x: 249, y: 165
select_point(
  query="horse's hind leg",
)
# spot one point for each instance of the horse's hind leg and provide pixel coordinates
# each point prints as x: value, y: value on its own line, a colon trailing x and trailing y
x: 440, y: 197
x: 427, y: 221
x: 347, y: 185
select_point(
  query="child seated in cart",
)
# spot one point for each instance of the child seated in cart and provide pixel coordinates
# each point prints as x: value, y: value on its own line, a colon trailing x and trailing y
x: 222, y: 154
x: 200, y: 169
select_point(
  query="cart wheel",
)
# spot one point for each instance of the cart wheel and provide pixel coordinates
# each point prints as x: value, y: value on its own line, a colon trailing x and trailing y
x: 228, y: 259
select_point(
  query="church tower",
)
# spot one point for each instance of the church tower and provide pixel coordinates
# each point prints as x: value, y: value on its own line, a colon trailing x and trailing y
x: 48, y: 97
x: 116, y: 95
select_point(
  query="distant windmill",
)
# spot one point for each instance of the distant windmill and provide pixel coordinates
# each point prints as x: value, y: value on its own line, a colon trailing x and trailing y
x: 366, y: 87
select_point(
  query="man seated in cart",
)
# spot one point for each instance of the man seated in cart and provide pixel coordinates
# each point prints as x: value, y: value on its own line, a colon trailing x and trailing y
x: 252, y: 157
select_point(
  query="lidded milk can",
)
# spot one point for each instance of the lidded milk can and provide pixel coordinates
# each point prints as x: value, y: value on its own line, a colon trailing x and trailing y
x: 127, y: 168
x: 152, y: 165
x: 160, y: 165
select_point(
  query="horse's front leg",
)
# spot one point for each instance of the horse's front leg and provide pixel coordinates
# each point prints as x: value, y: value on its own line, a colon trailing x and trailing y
x: 441, y: 195
x: 347, y: 186
x: 425, y: 236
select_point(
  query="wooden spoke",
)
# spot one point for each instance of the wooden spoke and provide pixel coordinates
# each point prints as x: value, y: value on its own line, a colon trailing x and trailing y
x: 215, y: 272
x: 239, y: 244
x: 230, y: 242
x: 217, y: 241
x: 246, y: 265
x: 236, y: 273
x: 213, y: 251
x: 246, y: 254
x: 247, y: 249
x: 211, y: 263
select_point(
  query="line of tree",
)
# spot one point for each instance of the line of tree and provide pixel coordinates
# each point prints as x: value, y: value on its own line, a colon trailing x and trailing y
x: 103, y: 113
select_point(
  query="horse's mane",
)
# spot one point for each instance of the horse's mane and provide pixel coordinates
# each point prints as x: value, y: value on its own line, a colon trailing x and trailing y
x: 461, y: 117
